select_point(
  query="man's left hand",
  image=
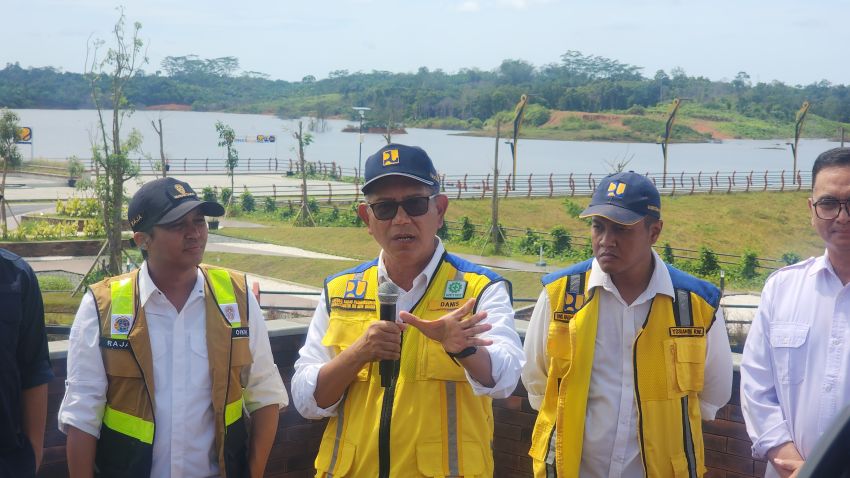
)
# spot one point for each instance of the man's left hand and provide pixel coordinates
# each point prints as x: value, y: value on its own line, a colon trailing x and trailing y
x: 789, y: 465
x: 453, y: 331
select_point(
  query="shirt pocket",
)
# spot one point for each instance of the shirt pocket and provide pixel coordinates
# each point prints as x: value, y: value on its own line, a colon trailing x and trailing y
x: 344, y: 331
x: 685, y: 364
x: 786, y: 341
x: 199, y: 363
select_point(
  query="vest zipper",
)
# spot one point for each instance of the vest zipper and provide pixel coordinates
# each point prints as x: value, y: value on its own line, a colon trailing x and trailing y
x: 385, y: 424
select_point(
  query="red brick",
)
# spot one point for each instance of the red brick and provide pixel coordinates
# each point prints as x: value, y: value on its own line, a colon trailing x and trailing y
x: 739, y: 447
x: 726, y: 428
x: 714, y: 442
x: 729, y: 462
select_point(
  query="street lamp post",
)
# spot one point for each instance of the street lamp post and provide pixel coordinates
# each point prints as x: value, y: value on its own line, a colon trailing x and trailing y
x: 362, y: 111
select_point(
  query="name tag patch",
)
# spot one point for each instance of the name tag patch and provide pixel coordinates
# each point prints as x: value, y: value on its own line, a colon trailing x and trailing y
x: 687, y: 331
x: 352, y: 304
x: 239, y: 332
x: 563, y: 316
x: 446, y: 304
x: 115, y: 344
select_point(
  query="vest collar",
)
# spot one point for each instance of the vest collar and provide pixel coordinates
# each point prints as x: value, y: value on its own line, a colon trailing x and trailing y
x: 659, y: 283
x: 147, y: 287
x: 426, y: 273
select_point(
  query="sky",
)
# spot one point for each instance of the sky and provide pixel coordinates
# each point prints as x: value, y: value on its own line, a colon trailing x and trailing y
x: 792, y: 41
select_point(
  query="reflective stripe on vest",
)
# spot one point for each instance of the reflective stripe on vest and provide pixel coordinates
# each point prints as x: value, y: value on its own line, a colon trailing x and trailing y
x: 122, y: 307
x: 232, y: 412
x: 129, y: 425
x: 222, y: 287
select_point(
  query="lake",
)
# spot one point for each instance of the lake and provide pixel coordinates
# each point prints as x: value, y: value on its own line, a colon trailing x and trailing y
x: 58, y: 134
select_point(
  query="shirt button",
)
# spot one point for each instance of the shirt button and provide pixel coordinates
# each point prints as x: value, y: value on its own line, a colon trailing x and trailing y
x: 828, y: 388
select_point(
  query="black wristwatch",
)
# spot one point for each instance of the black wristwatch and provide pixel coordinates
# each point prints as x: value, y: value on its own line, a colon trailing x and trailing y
x: 463, y: 353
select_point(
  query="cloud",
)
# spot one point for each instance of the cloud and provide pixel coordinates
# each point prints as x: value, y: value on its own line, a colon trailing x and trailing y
x: 469, y: 6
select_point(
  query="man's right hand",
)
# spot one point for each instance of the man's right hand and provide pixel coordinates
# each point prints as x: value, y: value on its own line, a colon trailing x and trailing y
x: 381, y: 341
x: 785, y: 459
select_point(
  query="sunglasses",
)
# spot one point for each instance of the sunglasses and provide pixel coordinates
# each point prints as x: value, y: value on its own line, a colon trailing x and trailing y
x: 415, y: 206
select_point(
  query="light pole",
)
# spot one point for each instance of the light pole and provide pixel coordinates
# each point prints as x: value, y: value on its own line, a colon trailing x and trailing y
x: 362, y: 111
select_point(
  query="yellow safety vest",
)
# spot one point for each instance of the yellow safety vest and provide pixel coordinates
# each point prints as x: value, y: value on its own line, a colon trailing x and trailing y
x: 126, y: 438
x: 669, y: 365
x: 429, y: 423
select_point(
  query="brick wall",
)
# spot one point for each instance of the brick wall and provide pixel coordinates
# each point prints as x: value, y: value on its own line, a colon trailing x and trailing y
x: 726, y: 442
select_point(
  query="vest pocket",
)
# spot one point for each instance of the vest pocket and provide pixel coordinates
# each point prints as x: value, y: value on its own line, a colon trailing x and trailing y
x: 429, y: 460
x: 559, y: 349
x: 438, y: 365
x: 341, y: 333
x: 686, y: 358
x: 339, y: 463
x: 786, y: 340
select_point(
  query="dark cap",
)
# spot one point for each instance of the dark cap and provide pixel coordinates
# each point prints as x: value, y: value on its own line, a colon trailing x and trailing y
x: 400, y: 160
x: 165, y: 200
x: 625, y: 198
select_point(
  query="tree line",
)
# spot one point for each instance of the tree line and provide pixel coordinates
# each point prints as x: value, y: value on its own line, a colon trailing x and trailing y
x: 576, y: 82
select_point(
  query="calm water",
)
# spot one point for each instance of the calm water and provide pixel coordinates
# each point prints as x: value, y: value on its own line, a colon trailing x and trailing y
x: 58, y: 134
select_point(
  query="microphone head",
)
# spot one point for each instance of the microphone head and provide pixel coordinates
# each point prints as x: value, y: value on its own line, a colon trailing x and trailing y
x: 388, y: 293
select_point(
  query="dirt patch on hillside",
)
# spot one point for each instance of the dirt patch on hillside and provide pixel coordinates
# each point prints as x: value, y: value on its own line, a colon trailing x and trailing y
x: 705, y: 126
x: 169, y: 107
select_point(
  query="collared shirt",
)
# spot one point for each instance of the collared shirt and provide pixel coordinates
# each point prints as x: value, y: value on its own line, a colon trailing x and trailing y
x: 611, y: 447
x: 24, y: 360
x: 506, y: 357
x: 795, y: 373
x: 185, y: 428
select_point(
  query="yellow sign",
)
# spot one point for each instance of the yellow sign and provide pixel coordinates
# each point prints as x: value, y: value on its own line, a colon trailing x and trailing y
x: 25, y: 135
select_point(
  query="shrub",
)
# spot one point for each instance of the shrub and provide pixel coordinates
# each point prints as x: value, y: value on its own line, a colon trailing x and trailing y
x: 536, y: 115
x: 707, y: 262
x: 225, y: 195
x: 573, y: 209
x: 269, y: 205
x: 749, y: 265
x: 791, y: 258
x: 208, y: 194
x: 247, y: 201
x: 530, y: 243
x: 443, y: 231
x: 467, y: 229
x: 561, y: 241
x: 667, y: 254
x: 94, y: 228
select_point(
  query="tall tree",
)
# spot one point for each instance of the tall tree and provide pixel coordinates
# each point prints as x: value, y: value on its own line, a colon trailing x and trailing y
x: 226, y: 138
x: 9, y: 154
x: 108, y: 77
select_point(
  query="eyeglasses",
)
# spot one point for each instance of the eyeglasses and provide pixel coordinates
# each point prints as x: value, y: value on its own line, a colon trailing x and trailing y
x: 830, y: 208
x: 415, y: 206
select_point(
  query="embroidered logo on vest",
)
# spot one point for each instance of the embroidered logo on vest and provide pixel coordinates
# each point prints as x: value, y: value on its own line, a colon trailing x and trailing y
x: 455, y: 289
x: 355, y: 289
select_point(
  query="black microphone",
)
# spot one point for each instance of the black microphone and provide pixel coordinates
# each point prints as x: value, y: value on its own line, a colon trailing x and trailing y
x: 388, y: 296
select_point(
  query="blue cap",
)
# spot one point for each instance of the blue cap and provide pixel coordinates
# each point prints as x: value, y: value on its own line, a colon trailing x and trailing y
x: 400, y: 160
x: 624, y: 198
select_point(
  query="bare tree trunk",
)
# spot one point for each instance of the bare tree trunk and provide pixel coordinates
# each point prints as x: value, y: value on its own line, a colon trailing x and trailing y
x: 162, y: 162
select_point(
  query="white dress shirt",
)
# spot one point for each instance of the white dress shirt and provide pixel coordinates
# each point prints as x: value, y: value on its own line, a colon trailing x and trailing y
x: 611, y: 447
x: 506, y: 356
x: 794, y: 373
x: 183, y: 444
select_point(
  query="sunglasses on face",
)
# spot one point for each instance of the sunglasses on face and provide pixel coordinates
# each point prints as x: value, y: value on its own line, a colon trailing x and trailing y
x: 415, y: 206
